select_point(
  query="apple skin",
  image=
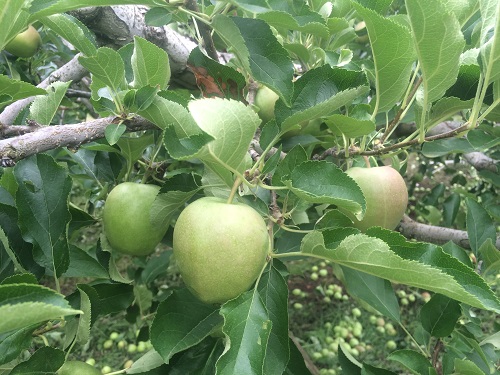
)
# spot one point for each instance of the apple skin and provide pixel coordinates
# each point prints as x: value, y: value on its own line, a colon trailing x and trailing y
x: 126, y: 219
x: 220, y: 248
x: 385, y: 193
x: 265, y: 99
x: 77, y: 367
x: 25, y: 44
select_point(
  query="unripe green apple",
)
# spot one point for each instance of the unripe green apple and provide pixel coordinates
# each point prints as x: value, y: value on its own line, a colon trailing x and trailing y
x: 265, y: 99
x: 77, y: 367
x: 385, y: 193
x: 25, y: 44
x: 126, y: 219
x: 220, y: 248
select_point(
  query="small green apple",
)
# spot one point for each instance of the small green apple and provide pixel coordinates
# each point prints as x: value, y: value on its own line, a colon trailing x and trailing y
x: 265, y: 99
x: 25, y: 44
x: 77, y: 367
x: 385, y: 193
x: 220, y: 248
x: 126, y: 219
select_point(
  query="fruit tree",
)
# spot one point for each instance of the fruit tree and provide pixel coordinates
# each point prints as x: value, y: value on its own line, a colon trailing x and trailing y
x: 166, y: 165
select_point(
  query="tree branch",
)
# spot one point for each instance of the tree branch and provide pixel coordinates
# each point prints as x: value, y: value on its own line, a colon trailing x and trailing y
x: 50, y: 137
x: 434, y: 234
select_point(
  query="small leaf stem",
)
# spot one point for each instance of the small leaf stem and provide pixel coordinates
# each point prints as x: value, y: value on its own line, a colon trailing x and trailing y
x: 425, y: 353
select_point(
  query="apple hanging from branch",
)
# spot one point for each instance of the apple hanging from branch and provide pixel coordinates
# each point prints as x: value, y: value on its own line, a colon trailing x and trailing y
x: 126, y: 219
x: 386, y: 196
x: 220, y: 248
x: 25, y: 44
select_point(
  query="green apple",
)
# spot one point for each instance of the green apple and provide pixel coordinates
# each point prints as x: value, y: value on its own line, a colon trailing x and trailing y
x: 77, y: 367
x: 25, y: 44
x: 385, y: 193
x: 265, y: 99
x: 220, y: 248
x: 126, y: 219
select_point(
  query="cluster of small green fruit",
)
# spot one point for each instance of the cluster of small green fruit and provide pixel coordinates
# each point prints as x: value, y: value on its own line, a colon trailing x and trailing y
x: 118, y: 341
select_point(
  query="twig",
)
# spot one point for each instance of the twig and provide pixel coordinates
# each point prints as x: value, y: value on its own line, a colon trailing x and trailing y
x: 435, y: 357
x: 205, y: 31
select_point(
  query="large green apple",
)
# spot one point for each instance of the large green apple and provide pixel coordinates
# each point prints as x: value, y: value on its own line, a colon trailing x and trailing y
x: 126, y: 219
x: 220, y: 248
x: 25, y: 44
x: 385, y: 193
x: 265, y: 99
x: 77, y: 368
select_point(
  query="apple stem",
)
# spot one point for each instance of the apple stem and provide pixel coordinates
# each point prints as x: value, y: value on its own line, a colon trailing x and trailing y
x: 236, y: 184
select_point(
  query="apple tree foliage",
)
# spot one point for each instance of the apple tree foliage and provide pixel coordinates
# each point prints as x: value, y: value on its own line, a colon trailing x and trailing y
x: 348, y: 75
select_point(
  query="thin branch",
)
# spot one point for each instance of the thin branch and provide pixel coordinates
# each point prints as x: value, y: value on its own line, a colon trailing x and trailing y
x: 434, y: 234
x: 47, y: 138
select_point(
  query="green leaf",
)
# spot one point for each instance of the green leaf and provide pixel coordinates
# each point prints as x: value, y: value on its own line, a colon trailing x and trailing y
x: 450, y: 209
x: 113, y: 298
x: 439, y: 43
x: 342, y: 32
x: 247, y: 327
x: 158, y: 17
x: 393, y: 54
x: 296, y: 365
x: 445, y: 108
x: 167, y: 204
x: 310, y: 22
x: 490, y: 256
x: 294, y: 157
x: 42, y: 200
x: 379, y: 6
x: 377, y: 292
x: 107, y: 66
x: 274, y: 292
x: 480, y: 226
x: 83, y: 265
x: 148, y: 361
x: 226, y: 79
x: 40, y: 8
x: 113, y: 132
x: 143, y: 298
x: 258, y: 51
x: 14, y: 342
x: 323, y: 182
x: 133, y: 148
x: 44, y: 108
x: 84, y: 320
x: 373, y: 256
x: 185, y: 148
x: 435, y: 257
x: 150, y: 65
x: 319, y: 93
x: 349, y: 126
x: 466, y: 367
x: 232, y: 125
x: 156, y: 266
x: 73, y: 30
x: 20, y: 278
x: 164, y: 113
x: 182, y: 321
x: 12, y: 90
x: 443, y: 147
x: 349, y: 365
x: 22, y: 305
x: 45, y: 360
x: 415, y: 362
x: 371, y: 370
x: 490, y: 40
x: 439, y: 315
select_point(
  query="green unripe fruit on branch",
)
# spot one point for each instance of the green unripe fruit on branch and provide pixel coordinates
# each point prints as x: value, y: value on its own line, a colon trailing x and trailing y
x: 386, y: 196
x: 25, y: 44
x: 220, y: 248
x: 126, y: 219
x: 77, y: 367
x: 265, y: 99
